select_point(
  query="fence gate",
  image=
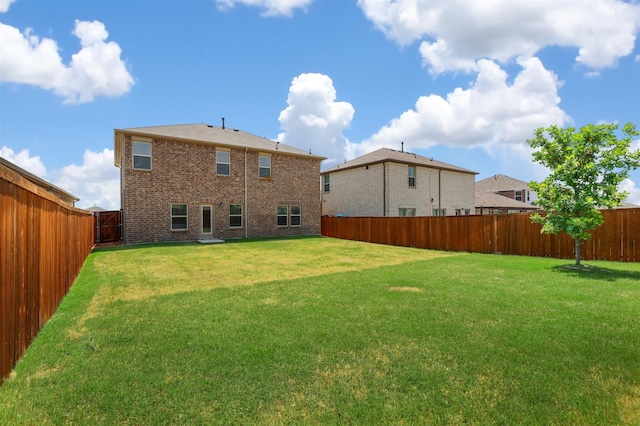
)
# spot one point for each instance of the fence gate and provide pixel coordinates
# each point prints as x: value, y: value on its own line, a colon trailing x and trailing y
x: 107, y: 226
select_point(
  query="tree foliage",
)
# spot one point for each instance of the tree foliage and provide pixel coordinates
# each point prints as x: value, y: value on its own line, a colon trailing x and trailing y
x: 586, y: 168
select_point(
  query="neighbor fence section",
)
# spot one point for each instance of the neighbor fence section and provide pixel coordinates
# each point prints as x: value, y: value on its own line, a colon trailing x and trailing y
x: 617, y: 239
x: 43, y: 244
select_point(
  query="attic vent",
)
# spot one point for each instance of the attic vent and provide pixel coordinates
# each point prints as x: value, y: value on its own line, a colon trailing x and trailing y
x: 236, y: 130
x: 209, y: 125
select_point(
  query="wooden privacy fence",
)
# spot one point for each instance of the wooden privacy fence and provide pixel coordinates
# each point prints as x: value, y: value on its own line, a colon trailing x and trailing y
x: 618, y: 239
x: 43, y: 244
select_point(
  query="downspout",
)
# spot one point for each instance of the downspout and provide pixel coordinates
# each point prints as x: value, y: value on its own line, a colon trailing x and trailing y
x: 246, y: 205
x: 439, y: 191
x: 384, y: 189
x: 123, y: 230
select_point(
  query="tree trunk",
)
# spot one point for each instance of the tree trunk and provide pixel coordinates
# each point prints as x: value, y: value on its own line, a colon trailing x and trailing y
x: 577, y: 244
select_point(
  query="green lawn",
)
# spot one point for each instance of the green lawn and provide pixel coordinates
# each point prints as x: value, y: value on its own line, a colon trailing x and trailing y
x: 325, y: 331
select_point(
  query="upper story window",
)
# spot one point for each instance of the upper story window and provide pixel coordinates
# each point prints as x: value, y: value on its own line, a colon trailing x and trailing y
x: 235, y: 216
x: 326, y: 183
x: 223, y: 163
x: 179, y: 217
x: 265, y: 166
x: 141, y: 155
x: 412, y: 176
x: 518, y: 195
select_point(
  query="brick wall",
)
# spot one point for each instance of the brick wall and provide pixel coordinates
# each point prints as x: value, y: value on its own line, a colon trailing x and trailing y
x: 359, y: 191
x: 355, y: 192
x: 184, y: 172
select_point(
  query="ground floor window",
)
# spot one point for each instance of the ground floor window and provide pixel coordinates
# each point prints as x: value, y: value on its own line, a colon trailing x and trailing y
x: 179, y: 217
x: 235, y: 215
x: 439, y: 212
x: 295, y: 216
x: 282, y: 215
x: 406, y: 211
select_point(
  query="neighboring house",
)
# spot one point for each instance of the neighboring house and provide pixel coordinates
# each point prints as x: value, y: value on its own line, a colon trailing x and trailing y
x: 492, y: 203
x: 500, y: 194
x: 41, y: 183
x: 387, y: 182
x: 196, y: 181
x: 507, y: 187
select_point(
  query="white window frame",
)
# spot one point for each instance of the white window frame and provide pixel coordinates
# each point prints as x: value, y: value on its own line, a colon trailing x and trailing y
x: 439, y: 212
x: 134, y: 154
x: 404, y: 211
x: 236, y: 215
x: 295, y: 215
x: 262, y: 166
x: 186, y: 216
x: 518, y: 195
x: 222, y: 163
x: 412, y: 178
x: 202, y: 208
x: 327, y: 183
x: 284, y: 215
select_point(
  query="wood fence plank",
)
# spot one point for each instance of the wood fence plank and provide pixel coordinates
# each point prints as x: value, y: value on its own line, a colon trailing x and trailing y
x: 617, y: 239
x: 43, y: 244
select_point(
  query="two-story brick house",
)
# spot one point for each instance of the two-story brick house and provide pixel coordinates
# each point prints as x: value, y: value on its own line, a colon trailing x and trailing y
x: 387, y: 182
x: 201, y: 182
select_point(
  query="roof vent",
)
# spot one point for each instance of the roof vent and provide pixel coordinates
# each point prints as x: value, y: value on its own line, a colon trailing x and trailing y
x: 222, y: 123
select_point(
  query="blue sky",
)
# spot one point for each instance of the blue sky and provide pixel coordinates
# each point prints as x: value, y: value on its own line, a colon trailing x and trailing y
x: 463, y: 81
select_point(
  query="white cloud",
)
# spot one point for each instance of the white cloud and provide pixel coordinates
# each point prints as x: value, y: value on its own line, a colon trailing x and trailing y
x: 634, y: 191
x: 271, y: 7
x: 96, y: 70
x: 491, y: 113
x: 24, y: 160
x: 96, y: 181
x: 454, y: 34
x: 4, y: 5
x: 314, y: 120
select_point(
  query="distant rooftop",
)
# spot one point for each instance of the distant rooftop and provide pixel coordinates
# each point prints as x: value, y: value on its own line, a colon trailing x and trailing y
x: 386, y: 154
x: 501, y: 183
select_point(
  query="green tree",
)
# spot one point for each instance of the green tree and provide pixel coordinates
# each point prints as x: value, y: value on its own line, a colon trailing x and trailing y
x: 586, y: 169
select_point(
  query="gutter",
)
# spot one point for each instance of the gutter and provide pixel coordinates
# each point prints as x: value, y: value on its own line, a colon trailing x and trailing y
x: 246, y: 204
x: 384, y: 188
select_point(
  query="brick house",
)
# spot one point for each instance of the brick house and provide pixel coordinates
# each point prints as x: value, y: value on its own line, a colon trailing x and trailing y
x: 507, y: 187
x: 201, y: 182
x: 387, y: 182
x: 501, y: 194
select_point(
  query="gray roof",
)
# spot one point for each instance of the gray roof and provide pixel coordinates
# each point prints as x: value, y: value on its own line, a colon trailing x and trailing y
x: 386, y: 154
x: 201, y: 132
x: 492, y: 200
x: 501, y: 183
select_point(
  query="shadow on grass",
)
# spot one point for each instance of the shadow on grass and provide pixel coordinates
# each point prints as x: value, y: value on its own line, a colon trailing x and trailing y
x: 108, y: 247
x: 597, y: 273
